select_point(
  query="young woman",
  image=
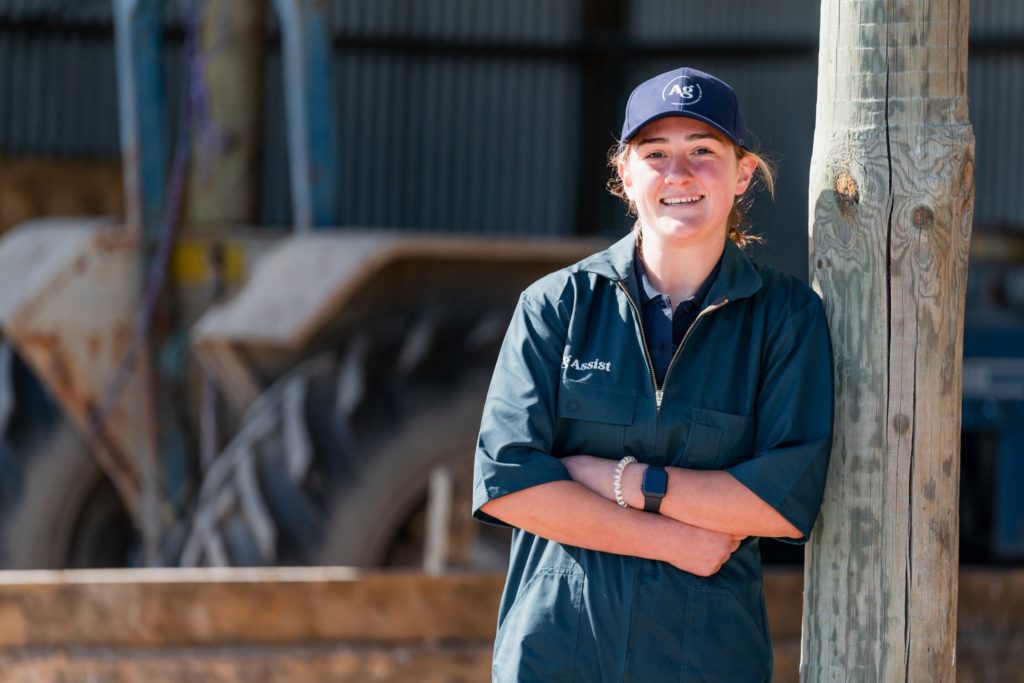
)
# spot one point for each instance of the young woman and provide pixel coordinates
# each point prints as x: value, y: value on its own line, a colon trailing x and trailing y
x: 655, y: 409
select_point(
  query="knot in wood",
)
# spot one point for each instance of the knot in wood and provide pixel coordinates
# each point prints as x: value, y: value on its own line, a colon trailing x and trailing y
x: 967, y: 172
x: 924, y: 217
x: 847, y: 193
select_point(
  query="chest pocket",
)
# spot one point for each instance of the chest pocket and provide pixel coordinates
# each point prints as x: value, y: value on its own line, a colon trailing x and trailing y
x: 592, y: 419
x: 718, y: 440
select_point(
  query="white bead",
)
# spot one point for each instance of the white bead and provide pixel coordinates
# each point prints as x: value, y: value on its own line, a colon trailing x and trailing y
x: 617, y: 480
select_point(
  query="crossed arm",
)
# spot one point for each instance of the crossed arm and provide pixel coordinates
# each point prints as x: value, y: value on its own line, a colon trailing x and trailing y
x: 704, y: 515
x: 570, y: 513
x: 709, y: 499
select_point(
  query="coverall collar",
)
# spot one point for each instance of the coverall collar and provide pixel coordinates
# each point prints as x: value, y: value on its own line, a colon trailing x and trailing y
x: 737, y: 279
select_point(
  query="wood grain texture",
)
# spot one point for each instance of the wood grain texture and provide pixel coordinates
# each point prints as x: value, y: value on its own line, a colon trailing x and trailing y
x: 186, y: 607
x: 295, y: 664
x: 337, y: 624
x: 891, y: 196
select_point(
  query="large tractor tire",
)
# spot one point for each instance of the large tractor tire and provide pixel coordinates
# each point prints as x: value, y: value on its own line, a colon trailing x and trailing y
x: 379, y: 515
x: 332, y: 464
x: 57, y: 508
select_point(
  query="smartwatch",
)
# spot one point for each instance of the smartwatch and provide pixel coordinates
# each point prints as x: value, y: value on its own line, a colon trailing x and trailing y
x: 654, y: 486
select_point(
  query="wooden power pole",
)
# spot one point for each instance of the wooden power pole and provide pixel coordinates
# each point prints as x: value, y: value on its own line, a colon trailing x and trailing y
x: 891, y: 198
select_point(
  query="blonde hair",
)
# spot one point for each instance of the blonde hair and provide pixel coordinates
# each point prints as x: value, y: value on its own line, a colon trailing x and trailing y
x: 737, y: 223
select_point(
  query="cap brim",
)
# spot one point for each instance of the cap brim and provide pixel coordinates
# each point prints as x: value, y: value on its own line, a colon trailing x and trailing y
x: 688, y: 115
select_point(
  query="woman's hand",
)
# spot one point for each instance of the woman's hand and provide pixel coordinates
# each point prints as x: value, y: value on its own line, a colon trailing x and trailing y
x: 699, y: 551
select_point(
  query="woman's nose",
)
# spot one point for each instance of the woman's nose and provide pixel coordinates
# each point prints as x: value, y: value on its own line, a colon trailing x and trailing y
x: 678, y: 171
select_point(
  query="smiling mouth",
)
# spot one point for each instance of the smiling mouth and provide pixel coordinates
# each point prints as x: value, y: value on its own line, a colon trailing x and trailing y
x: 681, y: 201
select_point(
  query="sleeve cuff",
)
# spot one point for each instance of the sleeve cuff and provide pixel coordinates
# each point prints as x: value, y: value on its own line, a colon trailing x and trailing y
x: 508, y: 477
x: 790, y: 510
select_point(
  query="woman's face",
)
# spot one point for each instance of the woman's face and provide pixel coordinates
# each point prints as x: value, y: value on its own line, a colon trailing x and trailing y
x: 683, y: 177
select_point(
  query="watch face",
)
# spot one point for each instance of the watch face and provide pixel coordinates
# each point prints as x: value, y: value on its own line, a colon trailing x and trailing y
x: 655, y: 481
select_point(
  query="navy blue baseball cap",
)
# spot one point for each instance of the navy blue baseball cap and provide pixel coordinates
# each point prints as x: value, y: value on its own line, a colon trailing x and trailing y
x: 690, y: 93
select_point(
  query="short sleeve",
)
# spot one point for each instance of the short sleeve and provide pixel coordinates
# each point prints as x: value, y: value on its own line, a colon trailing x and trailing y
x: 795, y: 404
x: 518, y: 425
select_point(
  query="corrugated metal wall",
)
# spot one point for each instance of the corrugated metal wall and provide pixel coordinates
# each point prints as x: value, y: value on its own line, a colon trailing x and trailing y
x: 533, y: 22
x: 469, y: 115
x: 57, y: 94
x: 446, y: 122
x: 995, y: 84
x: 732, y: 21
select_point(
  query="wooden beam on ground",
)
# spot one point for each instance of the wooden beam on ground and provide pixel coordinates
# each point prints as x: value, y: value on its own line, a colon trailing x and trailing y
x: 293, y: 664
x: 209, y: 607
x: 342, y: 625
x: 891, y: 199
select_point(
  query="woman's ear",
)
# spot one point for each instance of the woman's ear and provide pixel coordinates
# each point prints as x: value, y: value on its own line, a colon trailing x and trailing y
x: 747, y: 166
x: 622, y: 168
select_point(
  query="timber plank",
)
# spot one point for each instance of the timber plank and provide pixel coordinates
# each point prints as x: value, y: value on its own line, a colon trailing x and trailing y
x: 149, y: 608
x: 289, y: 664
x: 339, y: 624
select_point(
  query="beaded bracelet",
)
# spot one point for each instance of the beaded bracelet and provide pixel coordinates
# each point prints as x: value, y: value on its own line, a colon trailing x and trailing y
x: 617, y: 481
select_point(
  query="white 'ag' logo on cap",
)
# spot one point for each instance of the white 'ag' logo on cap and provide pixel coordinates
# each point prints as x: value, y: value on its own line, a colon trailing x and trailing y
x: 681, y: 91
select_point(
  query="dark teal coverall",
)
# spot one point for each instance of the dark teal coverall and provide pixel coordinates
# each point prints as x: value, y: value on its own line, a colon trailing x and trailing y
x: 753, y: 397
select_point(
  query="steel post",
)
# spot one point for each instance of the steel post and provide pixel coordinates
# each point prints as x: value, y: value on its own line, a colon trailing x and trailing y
x: 140, y: 108
x: 310, y: 111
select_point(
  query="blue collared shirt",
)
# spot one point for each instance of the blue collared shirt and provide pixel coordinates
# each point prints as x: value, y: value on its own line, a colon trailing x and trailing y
x: 663, y: 327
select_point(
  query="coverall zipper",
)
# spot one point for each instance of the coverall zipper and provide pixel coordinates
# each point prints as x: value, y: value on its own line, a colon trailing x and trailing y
x: 659, y: 392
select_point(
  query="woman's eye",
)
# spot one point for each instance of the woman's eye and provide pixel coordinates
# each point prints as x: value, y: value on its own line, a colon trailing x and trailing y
x: 655, y: 155
x: 702, y: 151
